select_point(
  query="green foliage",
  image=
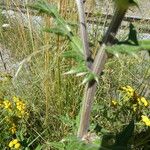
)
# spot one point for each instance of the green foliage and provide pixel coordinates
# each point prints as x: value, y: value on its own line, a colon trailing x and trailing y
x: 72, y: 143
x: 45, y: 8
x: 64, y: 29
x: 121, y: 141
x: 64, y: 95
x: 131, y: 45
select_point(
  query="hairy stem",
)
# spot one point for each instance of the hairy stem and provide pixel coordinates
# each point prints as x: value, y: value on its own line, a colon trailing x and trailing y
x: 98, y: 66
x: 84, y: 33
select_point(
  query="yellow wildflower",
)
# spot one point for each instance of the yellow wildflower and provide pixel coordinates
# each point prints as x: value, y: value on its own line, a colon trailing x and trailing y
x: 123, y: 88
x: 20, y: 106
x: 130, y: 94
x: 15, y: 99
x: 14, y: 144
x: 146, y: 120
x: 11, y: 144
x: 128, y: 90
x: 7, y: 104
x: 143, y: 101
x: 13, y: 129
x: 15, y: 141
x: 114, y: 102
x: 17, y: 145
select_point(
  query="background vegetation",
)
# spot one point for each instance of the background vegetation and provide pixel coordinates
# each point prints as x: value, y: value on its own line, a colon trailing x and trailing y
x: 49, y: 100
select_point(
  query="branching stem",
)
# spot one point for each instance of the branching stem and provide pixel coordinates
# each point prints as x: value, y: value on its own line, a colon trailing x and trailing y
x: 97, y: 68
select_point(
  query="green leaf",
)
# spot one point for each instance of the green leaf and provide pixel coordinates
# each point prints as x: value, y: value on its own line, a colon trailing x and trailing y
x: 57, y: 30
x: 73, y: 143
x: 46, y: 8
x: 74, y: 55
x: 76, y: 44
x: 51, y: 10
x: 89, y: 77
x: 67, y: 120
x: 78, y: 69
x: 39, y: 147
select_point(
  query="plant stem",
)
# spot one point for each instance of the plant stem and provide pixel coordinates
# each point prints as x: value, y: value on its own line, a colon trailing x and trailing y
x: 98, y: 66
x: 84, y: 33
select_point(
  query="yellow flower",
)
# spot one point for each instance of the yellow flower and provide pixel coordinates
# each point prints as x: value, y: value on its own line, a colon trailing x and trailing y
x: 15, y: 99
x: 20, y: 106
x: 13, y: 129
x: 14, y: 144
x: 128, y: 90
x: 17, y: 145
x: 143, y: 101
x: 114, y: 102
x: 7, y: 104
x: 146, y: 120
x: 15, y: 141
x: 11, y: 144
x: 123, y: 88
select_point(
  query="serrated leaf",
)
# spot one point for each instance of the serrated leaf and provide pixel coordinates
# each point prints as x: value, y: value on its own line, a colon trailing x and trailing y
x: 90, y: 76
x: 73, y: 54
x: 57, y: 30
x: 46, y: 8
x: 72, y: 71
x: 76, y: 44
x: 51, y: 10
x: 78, y: 69
x: 74, y: 25
x: 81, y: 74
